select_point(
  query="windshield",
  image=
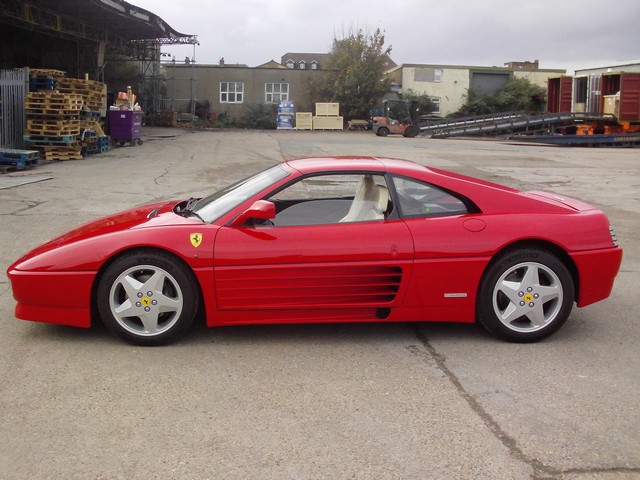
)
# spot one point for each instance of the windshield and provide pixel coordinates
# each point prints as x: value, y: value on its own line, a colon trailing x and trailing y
x: 214, y: 206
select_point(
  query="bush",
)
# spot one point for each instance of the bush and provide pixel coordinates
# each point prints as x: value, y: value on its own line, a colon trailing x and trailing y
x: 260, y: 116
x: 518, y: 95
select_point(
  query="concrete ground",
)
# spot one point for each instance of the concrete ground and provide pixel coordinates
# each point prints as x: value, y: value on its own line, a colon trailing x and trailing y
x: 375, y: 401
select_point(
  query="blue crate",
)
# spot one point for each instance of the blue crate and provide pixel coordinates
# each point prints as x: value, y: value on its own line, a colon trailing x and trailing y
x: 104, y: 140
x: 40, y: 84
x: 88, y: 134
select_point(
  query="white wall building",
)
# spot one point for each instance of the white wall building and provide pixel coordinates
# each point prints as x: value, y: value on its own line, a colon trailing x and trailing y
x: 447, y: 85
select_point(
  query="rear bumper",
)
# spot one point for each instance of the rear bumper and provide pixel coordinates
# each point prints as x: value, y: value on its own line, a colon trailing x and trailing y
x: 597, y: 270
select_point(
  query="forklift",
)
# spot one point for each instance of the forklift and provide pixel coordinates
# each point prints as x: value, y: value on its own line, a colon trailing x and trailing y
x: 399, y: 118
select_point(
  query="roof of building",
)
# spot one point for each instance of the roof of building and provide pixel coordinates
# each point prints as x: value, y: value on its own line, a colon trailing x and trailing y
x: 470, y: 67
x: 271, y: 64
x: 101, y: 20
x: 632, y: 65
x: 307, y: 58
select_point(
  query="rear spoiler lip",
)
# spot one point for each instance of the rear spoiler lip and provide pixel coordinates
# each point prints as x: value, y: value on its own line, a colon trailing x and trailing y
x: 569, y: 202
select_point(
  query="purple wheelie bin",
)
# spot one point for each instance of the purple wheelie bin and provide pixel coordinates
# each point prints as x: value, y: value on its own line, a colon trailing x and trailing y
x: 126, y: 126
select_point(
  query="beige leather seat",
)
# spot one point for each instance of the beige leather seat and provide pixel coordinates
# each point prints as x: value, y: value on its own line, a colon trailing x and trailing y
x: 369, y: 203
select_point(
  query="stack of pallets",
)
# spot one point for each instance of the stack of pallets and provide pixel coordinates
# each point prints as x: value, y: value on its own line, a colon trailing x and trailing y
x: 63, y: 123
x: 53, y: 124
x: 93, y: 94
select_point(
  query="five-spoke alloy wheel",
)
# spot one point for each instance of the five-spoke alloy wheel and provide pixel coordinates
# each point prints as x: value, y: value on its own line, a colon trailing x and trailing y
x: 525, y: 296
x: 147, y: 298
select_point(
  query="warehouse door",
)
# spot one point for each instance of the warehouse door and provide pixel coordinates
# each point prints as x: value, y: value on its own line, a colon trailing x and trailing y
x: 14, y: 86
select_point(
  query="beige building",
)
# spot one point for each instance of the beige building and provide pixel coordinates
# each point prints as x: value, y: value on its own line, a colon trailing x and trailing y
x: 230, y: 88
x: 447, y: 85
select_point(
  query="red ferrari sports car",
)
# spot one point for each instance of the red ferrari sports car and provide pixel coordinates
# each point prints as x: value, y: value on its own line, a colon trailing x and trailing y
x: 347, y: 239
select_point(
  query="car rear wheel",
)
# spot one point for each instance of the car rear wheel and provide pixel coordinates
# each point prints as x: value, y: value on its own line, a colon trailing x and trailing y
x: 382, y: 132
x: 525, y: 296
x: 147, y: 298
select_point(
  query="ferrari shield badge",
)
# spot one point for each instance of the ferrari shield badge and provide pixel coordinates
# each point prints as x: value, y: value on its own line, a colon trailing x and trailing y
x: 196, y: 239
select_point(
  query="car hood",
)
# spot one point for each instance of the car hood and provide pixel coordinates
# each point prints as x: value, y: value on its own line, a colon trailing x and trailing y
x: 147, y: 216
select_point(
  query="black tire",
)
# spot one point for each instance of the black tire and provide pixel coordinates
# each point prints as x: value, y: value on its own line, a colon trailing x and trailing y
x: 525, y: 295
x: 382, y: 132
x: 411, y: 131
x: 156, y: 304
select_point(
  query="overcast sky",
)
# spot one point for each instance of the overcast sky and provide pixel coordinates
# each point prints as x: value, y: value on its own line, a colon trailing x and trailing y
x: 565, y: 34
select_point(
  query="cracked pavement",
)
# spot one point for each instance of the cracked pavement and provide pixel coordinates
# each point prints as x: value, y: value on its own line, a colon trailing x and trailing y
x: 357, y: 401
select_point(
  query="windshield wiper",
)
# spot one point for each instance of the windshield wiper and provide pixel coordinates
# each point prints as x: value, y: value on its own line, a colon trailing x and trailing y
x: 186, y: 211
x: 191, y: 213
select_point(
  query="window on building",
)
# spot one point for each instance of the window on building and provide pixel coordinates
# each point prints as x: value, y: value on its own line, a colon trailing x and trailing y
x: 231, y: 92
x: 276, y: 92
x: 437, y: 74
x: 314, y: 65
x: 436, y: 104
x: 290, y: 64
x: 303, y: 64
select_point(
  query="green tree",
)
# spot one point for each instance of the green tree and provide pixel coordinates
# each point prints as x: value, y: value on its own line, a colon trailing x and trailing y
x: 519, y: 94
x: 424, y: 104
x: 356, y: 79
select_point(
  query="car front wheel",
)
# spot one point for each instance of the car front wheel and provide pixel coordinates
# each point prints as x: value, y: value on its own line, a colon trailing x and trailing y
x: 525, y: 296
x: 147, y: 298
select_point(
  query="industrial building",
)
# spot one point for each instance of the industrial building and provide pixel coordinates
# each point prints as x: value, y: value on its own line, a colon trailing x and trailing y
x: 108, y: 41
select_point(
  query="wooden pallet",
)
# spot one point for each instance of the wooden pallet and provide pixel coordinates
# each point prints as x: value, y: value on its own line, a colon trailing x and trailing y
x: 80, y: 86
x: 45, y: 73
x: 62, y: 153
x: 63, y: 156
x: 53, y: 100
x: 53, y: 128
x: 52, y: 143
x: 18, y: 163
x: 50, y: 138
x: 13, y: 154
x: 93, y: 93
x: 52, y: 114
x: 60, y: 105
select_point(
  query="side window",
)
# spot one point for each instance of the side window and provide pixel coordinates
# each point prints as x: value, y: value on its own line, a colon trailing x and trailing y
x: 332, y: 198
x: 417, y: 199
x: 231, y: 92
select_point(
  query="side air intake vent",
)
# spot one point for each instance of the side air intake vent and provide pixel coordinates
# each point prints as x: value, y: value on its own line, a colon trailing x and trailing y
x: 307, y: 287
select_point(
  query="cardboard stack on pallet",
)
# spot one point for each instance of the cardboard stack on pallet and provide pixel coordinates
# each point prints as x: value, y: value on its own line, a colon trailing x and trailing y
x: 327, y: 117
x: 63, y: 116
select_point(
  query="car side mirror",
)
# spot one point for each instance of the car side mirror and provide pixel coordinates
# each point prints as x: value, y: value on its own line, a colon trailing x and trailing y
x: 260, y: 210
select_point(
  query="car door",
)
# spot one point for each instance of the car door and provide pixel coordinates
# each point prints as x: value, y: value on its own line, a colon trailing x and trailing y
x: 451, y: 251
x: 318, y: 259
